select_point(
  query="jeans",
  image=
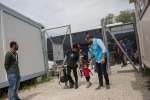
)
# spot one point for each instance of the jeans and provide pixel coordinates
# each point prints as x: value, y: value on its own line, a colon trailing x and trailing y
x: 102, y: 71
x: 14, y: 83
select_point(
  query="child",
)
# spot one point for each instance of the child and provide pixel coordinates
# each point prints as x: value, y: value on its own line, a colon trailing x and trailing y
x: 87, y: 72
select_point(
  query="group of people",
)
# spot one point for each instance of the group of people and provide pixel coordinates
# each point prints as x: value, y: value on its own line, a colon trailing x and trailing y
x: 98, y: 53
x: 130, y: 48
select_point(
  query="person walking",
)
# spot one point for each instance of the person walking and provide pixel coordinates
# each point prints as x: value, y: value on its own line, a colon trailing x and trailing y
x: 72, y: 59
x: 98, y: 52
x: 123, y: 57
x: 87, y: 72
x: 12, y: 70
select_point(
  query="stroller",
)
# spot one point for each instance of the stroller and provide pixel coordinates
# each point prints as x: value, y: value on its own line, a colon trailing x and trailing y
x: 62, y: 76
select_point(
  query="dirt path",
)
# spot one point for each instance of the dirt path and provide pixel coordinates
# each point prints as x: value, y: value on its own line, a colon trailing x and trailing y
x: 125, y: 85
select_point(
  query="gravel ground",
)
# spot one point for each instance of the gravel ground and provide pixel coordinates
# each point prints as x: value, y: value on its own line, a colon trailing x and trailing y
x: 126, y: 84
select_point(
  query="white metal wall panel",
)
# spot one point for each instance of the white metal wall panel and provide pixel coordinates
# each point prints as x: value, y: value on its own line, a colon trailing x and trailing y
x: 30, y: 52
x: 145, y: 23
x: 2, y: 69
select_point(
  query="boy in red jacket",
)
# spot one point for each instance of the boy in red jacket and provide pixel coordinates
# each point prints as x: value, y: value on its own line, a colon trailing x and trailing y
x: 86, y: 73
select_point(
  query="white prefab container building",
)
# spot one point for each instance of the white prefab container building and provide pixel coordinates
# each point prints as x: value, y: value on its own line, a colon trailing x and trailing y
x: 143, y: 28
x: 32, y: 49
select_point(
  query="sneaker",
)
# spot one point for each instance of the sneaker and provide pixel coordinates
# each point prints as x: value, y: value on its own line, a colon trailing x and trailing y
x: 107, y: 86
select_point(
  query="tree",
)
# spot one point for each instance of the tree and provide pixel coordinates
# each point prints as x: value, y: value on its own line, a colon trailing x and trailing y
x: 132, y: 1
x: 126, y: 16
x: 109, y: 19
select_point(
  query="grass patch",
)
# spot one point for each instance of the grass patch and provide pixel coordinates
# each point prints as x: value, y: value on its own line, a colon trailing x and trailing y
x: 28, y: 84
x: 3, y: 93
x: 36, y: 81
x: 146, y: 72
x: 44, y: 78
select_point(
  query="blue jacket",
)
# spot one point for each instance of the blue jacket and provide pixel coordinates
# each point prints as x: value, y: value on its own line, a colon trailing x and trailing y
x: 97, y: 49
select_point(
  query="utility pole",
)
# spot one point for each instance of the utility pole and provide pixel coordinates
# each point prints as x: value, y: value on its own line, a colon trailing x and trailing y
x: 104, y: 32
x: 103, y: 24
x: 71, y: 42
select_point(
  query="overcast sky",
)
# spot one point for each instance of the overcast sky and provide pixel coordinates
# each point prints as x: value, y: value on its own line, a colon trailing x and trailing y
x: 81, y: 14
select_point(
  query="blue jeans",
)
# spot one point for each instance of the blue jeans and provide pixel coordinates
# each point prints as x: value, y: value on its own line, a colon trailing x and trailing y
x: 14, y: 83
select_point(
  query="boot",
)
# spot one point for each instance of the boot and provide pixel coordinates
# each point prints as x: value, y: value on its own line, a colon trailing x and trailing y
x: 76, y: 85
x: 107, y: 86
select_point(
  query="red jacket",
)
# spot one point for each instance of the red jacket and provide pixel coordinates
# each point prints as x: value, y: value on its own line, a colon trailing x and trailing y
x: 86, y: 72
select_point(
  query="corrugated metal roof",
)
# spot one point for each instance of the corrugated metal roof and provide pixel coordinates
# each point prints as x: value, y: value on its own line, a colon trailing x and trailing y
x: 100, y: 27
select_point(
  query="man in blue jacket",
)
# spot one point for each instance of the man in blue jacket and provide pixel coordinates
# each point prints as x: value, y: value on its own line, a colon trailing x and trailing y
x: 98, y: 52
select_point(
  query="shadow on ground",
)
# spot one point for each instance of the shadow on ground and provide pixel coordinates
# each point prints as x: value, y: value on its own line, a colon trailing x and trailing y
x: 142, y: 84
x: 125, y: 71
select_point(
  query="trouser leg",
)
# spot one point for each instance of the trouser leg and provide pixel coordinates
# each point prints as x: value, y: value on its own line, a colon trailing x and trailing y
x: 69, y: 75
x: 13, y: 86
x: 76, y: 77
x: 17, y: 86
x: 104, y: 69
x: 124, y: 60
x: 75, y: 74
x: 99, y: 72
